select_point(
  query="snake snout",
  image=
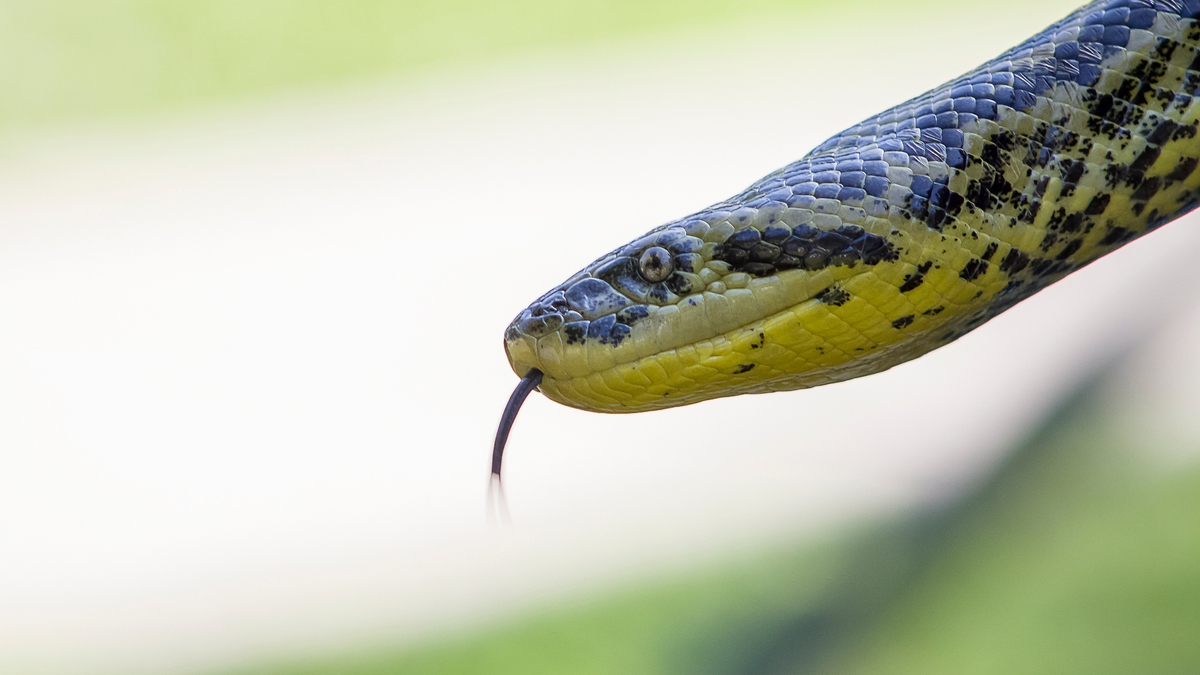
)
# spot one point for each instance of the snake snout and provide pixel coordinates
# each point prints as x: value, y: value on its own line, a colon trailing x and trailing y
x: 626, y: 308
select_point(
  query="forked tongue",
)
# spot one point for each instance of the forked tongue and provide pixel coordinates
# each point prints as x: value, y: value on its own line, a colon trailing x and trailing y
x: 527, y: 384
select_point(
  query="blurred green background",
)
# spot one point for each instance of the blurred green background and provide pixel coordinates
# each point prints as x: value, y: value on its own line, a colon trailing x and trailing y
x: 1072, y: 558
x: 82, y: 59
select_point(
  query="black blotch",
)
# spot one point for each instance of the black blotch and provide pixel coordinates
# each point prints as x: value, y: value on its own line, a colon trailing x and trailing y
x: 934, y: 311
x: 903, y: 322
x: 758, y: 269
x: 1163, y: 132
x: 1098, y: 204
x: 1069, y: 249
x: 1029, y: 209
x: 659, y: 292
x: 1115, y: 173
x: 1074, y: 172
x: 616, y: 335
x: 1057, y: 218
x: 1137, y: 169
x: 809, y: 248
x: 1014, y: 261
x: 574, y: 332
x: 1147, y: 189
x: 1073, y: 223
x: 679, y: 284
x: 1116, y: 235
x: 744, y: 368
x: 914, y: 280
x: 1183, y: 169
x: 834, y: 295
x: 631, y: 314
x: 762, y: 340
x: 990, y: 154
x: 1165, y: 49
x: 1042, y: 184
x: 973, y: 269
x: 990, y: 250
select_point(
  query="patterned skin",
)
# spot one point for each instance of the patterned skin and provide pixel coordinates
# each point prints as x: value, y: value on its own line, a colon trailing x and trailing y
x: 898, y: 235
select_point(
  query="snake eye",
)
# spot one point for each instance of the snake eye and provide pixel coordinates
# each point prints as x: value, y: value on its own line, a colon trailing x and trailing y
x: 655, y: 264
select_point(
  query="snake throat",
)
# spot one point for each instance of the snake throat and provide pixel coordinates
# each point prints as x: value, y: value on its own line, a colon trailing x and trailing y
x: 898, y: 235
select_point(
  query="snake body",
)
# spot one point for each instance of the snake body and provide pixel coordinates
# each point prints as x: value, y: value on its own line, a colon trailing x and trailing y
x: 898, y: 235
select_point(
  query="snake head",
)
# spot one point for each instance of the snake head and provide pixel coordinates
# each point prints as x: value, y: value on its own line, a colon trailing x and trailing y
x: 673, y: 317
x: 600, y: 316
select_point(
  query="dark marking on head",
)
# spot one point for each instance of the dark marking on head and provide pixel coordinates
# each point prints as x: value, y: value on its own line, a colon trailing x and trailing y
x: 575, y: 332
x: 632, y: 314
x: 803, y: 247
x: 681, y: 285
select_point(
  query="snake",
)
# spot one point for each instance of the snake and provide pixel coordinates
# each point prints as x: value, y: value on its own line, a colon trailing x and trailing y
x: 894, y: 237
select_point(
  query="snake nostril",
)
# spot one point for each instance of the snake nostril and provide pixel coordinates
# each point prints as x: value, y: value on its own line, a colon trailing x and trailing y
x: 655, y: 264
